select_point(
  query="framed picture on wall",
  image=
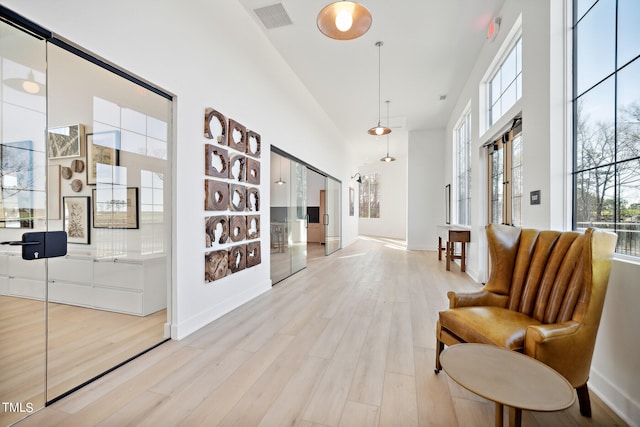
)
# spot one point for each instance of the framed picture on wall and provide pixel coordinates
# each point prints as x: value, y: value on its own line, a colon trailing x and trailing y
x: 65, y: 141
x: 351, y: 201
x: 54, y: 191
x: 103, y: 149
x: 115, y: 207
x: 76, y: 219
x: 447, y: 203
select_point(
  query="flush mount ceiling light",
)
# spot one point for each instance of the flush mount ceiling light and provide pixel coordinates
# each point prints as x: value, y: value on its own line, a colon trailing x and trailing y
x: 344, y: 20
x: 379, y: 130
x: 28, y: 85
x: 388, y: 158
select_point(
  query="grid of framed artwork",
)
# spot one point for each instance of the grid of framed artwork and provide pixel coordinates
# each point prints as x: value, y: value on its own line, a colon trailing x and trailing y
x: 232, y: 196
x: 78, y: 159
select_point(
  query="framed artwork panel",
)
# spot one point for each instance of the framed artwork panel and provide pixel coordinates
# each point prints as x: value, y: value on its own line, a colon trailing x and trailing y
x: 102, y: 148
x: 54, y: 191
x: 76, y: 219
x: 447, y: 203
x: 115, y: 207
x: 65, y: 141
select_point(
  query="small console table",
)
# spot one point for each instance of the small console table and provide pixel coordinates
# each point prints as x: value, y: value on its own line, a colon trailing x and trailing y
x: 452, y: 234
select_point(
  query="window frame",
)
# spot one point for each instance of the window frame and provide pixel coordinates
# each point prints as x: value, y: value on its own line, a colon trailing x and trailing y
x: 508, y: 192
x: 370, y: 206
x: 625, y: 248
x: 499, y: 70
x: 464, y: 124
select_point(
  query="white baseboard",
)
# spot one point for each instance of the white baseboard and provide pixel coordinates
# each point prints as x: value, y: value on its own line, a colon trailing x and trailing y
x: 199, y: 320
x: 623, y: 405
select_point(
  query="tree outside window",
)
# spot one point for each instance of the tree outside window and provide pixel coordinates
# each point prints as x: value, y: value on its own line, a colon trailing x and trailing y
x: 606, y: 107
x: 370, y: 196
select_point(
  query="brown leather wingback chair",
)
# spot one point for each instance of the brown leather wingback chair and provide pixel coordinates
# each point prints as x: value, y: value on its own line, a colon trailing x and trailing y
x: 544, y: 298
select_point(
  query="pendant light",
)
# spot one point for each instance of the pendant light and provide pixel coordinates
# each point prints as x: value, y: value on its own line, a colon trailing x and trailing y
x: 379, y: 130
x: 388, y: 158
x: 280, y: 181
x: 344, y: 20
x: 28, y: 85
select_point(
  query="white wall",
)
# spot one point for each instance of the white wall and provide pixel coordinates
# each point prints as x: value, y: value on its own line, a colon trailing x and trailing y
x: 426, y: 182
x: 615, y: 374
x: 209, y: 54
x: 315, y: 183
x: 615, y: 369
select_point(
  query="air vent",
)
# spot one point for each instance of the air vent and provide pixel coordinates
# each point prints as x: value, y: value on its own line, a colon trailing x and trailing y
x: 273, y: 16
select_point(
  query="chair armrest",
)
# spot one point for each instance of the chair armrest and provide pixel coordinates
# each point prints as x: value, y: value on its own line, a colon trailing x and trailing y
x: 480, y: 298
x: 540, y: 334
x: 566, y: 347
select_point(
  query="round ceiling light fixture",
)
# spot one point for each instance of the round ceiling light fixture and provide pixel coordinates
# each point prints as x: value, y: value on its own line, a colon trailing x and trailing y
x: 344, y: 20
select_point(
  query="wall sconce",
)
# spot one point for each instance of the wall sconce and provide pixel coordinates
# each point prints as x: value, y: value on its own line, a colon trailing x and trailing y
x: 359, y: 180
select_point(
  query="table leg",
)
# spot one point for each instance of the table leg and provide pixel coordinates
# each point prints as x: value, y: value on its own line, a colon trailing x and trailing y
x: 439, y: 248
x: 449, y: 254
x: 515, y: 417
x: 463, y: 266
x: 499, y: 421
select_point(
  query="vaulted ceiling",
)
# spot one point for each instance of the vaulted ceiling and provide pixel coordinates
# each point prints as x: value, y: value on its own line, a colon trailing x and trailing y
x: 429, y: 49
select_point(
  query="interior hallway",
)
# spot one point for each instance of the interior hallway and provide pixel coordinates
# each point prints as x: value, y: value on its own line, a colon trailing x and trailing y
x: 349, y: 341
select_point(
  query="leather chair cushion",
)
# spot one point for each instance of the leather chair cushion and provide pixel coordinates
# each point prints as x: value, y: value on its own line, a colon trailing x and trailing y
x: 489, y: 325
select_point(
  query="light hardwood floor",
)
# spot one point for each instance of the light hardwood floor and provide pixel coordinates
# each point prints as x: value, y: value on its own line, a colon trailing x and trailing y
x: 82, y: 343
x: 349, y: 341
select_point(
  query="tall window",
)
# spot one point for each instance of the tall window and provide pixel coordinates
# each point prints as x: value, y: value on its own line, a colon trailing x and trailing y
x: 606, y: 109
x: 369, y: 196
x: 152, y: 211
x: 505, y: 87
x: 463, y: 169
x: 505, y: 177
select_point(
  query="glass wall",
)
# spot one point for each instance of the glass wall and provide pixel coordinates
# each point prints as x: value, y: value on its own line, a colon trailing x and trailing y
x: 108, y: 296
x: 289, y: 220
x: 23, y: 207
x: 85, y: 150
x: 332, y: 217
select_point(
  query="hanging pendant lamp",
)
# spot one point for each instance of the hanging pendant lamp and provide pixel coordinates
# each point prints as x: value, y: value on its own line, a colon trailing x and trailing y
x: 344, y: 20
x: 280, y: 181
x: 28, y: 85
x: 388, y: 158
x: 379, y: 130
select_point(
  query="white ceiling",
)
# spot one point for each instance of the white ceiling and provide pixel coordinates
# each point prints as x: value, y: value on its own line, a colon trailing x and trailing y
x: 429, y: 49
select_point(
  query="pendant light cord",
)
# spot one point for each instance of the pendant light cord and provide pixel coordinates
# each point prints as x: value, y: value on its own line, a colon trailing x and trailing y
x: 387, y: 102
x: 379, y: 44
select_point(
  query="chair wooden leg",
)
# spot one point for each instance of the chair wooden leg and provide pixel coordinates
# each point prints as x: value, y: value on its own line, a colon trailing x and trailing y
x: 439, y: 348
x: 583, y: 399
